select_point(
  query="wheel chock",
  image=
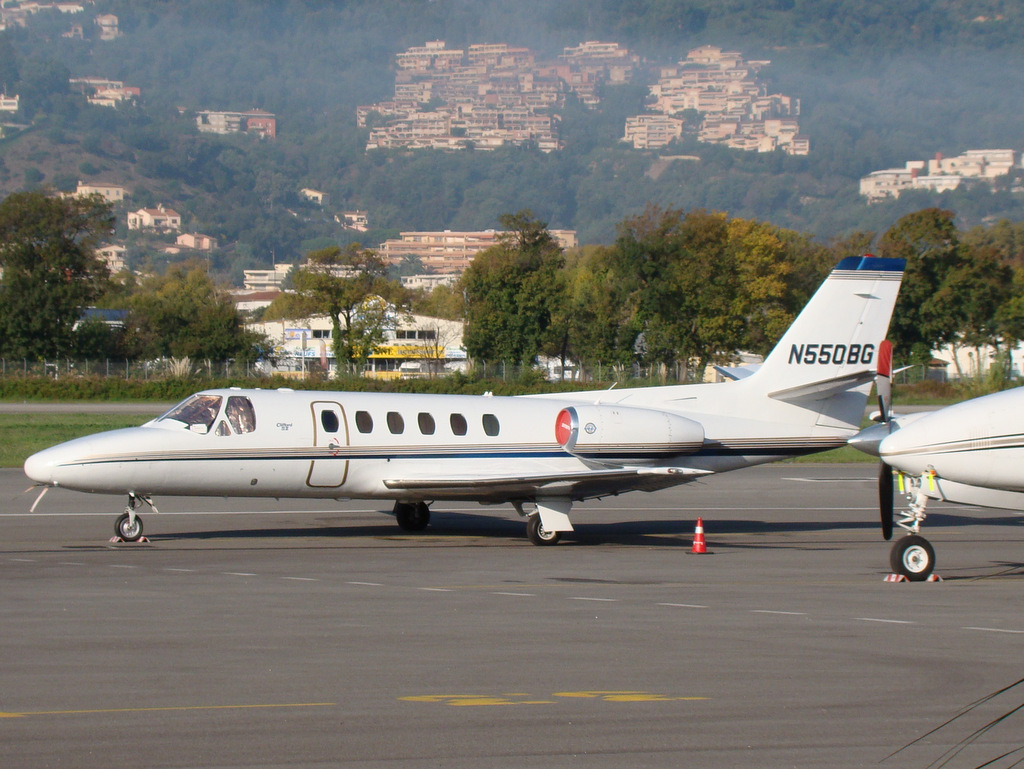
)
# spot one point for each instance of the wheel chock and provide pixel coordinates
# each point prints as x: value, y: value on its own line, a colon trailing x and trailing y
x: 120, y: 541
x: 901, y: 578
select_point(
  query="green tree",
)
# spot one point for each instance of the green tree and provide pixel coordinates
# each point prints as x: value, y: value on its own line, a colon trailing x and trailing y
x: 513, y: 291
x: 683, y: 285
x: 975, y: 293
x: 926, y: 316
x: 50, y: 270
x: 351, y: 287
x: 184, y: 314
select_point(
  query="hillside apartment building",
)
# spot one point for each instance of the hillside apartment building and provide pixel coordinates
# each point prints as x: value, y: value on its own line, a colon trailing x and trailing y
x: 256, y: 121
x: 736, y: 110
x: 938, y: 174
x: 488, y: 95
x: 450, y: 252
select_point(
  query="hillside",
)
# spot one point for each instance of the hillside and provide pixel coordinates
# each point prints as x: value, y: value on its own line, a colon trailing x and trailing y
x: 878, y: 86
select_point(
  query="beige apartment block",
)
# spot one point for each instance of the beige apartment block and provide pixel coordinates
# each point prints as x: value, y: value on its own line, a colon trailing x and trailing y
x: 449, y: 251
x: 646, y: 132
x: 943, y: 173
x: 196, y: 241
x: 114, y: 257
x: 112, y: 193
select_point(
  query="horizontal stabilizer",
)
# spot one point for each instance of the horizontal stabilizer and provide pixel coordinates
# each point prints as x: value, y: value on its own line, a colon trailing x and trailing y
x: 822, y: 389
x: 738, y: 372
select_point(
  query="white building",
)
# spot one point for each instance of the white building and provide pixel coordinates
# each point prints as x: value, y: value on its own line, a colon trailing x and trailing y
x: 417, y: 346
x: 266, y: 280
x: 938, y: 174
x: 159, y: 218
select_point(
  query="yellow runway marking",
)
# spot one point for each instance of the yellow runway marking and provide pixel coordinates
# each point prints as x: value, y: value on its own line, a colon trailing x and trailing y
x: 518, y: 698
x: 180, y: 708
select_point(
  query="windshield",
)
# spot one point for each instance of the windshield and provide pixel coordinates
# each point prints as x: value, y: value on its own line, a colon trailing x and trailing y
x: 196, y: 410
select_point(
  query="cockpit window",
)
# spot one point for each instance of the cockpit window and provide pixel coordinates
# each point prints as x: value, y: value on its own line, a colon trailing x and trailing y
x: 195, y: 411
x: 241, y: 414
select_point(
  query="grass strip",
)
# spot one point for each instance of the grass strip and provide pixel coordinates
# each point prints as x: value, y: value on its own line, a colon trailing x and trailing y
x: 24, y: 434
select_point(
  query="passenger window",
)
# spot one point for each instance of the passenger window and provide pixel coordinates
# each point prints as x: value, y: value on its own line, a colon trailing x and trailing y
x: 426, y: 423
x: 329, y: 421
x: 459, y: 426
x: 241, y: 414
x: 364, y: 422
x: 395, y: 423
x: 490, y: 424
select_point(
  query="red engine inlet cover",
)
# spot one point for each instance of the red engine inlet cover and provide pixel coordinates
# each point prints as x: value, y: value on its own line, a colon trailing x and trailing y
x: 563, y: 427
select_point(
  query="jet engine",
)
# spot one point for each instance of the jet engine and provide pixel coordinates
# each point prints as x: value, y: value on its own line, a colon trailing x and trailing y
x: 625, y: 432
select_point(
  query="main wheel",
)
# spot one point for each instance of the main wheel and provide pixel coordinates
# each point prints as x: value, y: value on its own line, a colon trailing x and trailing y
x: 913, y: 557
x: 538, y: 535
x: 128, y: 529
x: 412, y: 517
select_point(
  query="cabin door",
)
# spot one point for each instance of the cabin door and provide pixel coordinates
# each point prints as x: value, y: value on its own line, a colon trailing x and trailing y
x: 329, y: 466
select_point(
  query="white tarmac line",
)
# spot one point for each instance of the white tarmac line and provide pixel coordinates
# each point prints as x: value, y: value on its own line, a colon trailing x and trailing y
x: 885, y: 621
x: 783, y: 613
x: 994, y: 630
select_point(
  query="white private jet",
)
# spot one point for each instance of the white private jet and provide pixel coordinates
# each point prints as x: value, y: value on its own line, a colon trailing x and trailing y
x: 970, y: 453
x: 539, y: 453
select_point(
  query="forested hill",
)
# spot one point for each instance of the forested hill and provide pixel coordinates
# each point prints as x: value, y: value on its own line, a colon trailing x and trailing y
x: 879, y: 83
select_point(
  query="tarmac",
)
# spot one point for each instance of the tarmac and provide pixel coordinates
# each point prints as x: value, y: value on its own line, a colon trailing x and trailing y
x: 266, y: 633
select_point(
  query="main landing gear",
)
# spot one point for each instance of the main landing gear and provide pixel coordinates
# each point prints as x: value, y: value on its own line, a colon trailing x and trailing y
x: 128, y: 527
x: 412, y: 516
x: 913, y: 556
x: 537, y: 534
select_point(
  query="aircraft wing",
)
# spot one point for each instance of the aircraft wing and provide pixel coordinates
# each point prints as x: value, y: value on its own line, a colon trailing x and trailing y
x: 586, y: 483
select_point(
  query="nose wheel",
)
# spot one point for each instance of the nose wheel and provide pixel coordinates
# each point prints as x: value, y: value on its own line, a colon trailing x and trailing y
x: 912, y: 557
x: 128, y: 526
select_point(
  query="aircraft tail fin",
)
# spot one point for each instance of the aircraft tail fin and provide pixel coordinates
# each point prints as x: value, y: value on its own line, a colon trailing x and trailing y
x: 827, y: 359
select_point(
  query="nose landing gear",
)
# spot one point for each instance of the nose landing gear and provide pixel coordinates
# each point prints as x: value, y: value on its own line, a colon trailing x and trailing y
x: 128, y: 527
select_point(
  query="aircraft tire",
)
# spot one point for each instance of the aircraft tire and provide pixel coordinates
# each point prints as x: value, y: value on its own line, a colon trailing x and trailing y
x: 538, y: 535
x: 913, y: 557
x: 126, y: 531
x: 412, y: 517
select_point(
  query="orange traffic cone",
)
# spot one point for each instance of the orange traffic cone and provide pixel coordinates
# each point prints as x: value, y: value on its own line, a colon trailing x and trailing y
x: 699, y: 545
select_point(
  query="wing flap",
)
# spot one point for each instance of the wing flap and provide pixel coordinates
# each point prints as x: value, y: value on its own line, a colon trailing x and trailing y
x: 549, y: 483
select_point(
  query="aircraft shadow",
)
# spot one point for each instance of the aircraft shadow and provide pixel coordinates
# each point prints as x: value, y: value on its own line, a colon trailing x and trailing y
x: 647, y: 533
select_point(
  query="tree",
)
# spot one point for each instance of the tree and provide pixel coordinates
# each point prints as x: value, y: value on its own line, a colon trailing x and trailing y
x: 682, y: 284
x: 923, y: 319
x: 512, y: 292
x: 975, y: 292
x: 352, y: 288
x: 184, y: 314
x: 50, y: 270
